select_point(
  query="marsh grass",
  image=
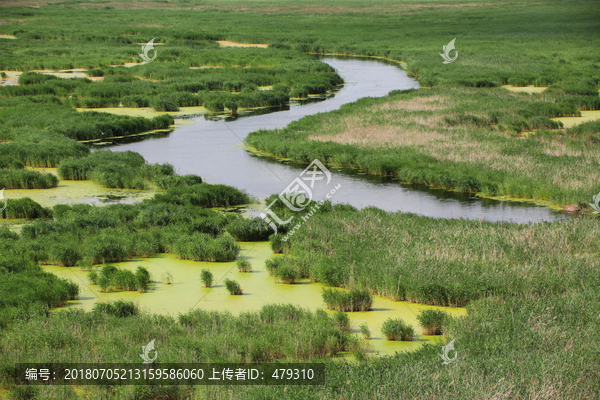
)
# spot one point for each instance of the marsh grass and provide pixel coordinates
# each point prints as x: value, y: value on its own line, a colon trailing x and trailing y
x: 457, y: 138
x: 243, y: 265
x: 341, y: 321
x: 442, y: 261
x: 111, y: 277
x: 365, y: 331
x: 342, y: 300
x: 118, y: 308
x: 207, y: 278
x: 25, y: 208
x: 272, y: 263
x: 433, y: 321
x: 397, y: 329
x: 233, y: 287
x: 287, y: 273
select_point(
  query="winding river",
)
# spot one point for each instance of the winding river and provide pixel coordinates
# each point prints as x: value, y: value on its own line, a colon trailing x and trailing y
x: 214, y: 150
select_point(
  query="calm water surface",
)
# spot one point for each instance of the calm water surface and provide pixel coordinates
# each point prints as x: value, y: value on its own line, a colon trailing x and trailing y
x: 213, y: 149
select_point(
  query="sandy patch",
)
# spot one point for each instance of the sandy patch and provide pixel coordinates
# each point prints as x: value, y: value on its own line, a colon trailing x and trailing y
x: 7, y: 37
x: 228, y: 43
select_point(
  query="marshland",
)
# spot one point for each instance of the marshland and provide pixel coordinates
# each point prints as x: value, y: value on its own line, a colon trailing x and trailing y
x: 465, y: 214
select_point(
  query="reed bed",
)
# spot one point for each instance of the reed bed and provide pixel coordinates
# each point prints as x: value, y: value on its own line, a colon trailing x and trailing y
x: 456, y: 138
x: 446, y: 262
x: 353, y: 300
x: 397, y: 329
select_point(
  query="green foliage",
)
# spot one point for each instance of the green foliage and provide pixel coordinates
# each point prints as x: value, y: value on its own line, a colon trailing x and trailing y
x: 233, y: 287
x: 342, y: 300
x: 341, y: 321
x: 26, y: 179
x: 115, y: 169
x: 366, y: 332
x: 118, y: 308
x: 250, y: 229
x: 203, y: 195
x: 277, y: 243
x: 272, y: 263
x: 492, y: 161
x: 433, y: 321
x: 243, y: 265
x: 286, y: 273
x: 397, y: 329
x: 25, y: 208
x: 206, y: 277
x: 28, y: 291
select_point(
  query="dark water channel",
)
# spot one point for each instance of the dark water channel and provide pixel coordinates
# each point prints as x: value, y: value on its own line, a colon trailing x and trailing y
x: 213, y: 149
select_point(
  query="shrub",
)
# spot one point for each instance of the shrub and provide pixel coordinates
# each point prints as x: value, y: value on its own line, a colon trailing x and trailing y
x: 206, y: 277
x: 93, y: 277
x: 272, y: 263
x: 233, y: 287
x: 287, y: 273
x: 397, y: 329
x: 119, y: 308
x: 244, y: 265
x: 276, y: 243
x: 432, y: 321
x: 25, y: 208
x: 366, y: 332
x: 65, y: 254
x: 124, y: 280
x: 164, y: 105
x: 353, y: 300
x: 103, y: 283
x: 341, y: 321
x: 250, y: 230
x: 142, y: 279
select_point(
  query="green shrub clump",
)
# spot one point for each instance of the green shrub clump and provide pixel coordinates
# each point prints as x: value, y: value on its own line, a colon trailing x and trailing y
x: 397, y: 329
x: 233, y: 287
x: 206, y: 277
x: 119, y: 308
x: 353, y: 300
x: 432, y: 321
x: 244, y: 265
x: 341, y: 321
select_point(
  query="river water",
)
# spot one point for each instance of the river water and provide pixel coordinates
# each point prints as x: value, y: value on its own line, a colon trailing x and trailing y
x: 213, y: 149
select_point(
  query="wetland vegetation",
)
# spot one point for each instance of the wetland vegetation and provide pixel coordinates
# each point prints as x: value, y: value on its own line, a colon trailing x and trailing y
x: 531, y: 290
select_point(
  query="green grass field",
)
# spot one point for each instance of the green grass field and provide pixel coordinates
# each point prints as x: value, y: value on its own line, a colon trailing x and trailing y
x: 532, y: 291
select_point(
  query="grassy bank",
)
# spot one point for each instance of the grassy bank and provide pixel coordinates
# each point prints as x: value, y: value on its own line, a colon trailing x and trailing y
x: 473, y: 140
x: 446, y: 262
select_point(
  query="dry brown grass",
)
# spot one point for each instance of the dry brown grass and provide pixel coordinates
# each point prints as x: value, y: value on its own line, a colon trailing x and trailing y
x: 419, y: 123
x: 429, y: 103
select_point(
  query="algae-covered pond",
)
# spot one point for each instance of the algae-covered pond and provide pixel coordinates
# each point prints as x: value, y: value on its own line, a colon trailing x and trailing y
x: 259, y: 288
